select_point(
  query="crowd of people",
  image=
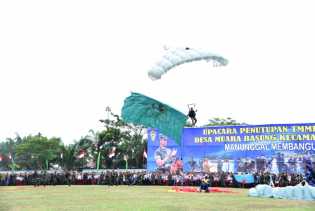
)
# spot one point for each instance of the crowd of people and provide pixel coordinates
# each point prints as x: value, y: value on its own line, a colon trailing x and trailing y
x: 142, y: 177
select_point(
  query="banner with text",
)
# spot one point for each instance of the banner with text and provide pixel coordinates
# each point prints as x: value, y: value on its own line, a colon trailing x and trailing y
x: 275, y: 148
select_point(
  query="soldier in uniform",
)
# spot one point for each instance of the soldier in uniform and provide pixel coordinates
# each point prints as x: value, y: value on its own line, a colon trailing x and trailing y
x: 164, y: 156
x: 68, y: 178
x: 192, y: 116
x: 53, y: 179
x: 205, y: 183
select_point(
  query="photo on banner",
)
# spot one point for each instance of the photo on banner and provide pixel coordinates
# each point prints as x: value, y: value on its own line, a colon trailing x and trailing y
x: 164, y: 154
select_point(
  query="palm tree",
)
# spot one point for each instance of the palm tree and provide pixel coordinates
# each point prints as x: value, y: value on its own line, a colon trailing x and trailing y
x: 223, y: 121
x: 68, y: 156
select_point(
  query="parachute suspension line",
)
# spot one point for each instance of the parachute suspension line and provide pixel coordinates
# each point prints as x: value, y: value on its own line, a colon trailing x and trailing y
x: 165, y: 47
x: 216, y: 63
x: 192, y: 104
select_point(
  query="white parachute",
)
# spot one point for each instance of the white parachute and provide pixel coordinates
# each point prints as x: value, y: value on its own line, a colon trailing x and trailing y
x: 178, y: 56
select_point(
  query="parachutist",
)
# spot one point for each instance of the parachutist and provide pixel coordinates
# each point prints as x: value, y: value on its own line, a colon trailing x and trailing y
x: 192, y: 116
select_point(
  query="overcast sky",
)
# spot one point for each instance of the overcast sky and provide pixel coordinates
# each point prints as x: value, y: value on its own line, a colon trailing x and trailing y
x: 62, y: 62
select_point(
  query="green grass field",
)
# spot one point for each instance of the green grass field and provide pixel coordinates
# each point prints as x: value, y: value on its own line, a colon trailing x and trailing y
x: 144, y: 198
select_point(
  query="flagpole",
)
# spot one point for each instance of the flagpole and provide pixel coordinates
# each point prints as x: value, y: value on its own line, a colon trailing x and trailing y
x: 98, y: 160
x: 12, y: 161
x: 144, y: 157
x: 46, y: 164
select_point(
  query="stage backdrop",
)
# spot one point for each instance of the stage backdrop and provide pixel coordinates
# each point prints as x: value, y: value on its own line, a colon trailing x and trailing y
x: 249, y: 149
x: 256, y: 148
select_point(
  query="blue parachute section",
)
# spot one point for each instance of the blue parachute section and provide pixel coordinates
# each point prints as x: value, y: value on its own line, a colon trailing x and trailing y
x: 298, y: 192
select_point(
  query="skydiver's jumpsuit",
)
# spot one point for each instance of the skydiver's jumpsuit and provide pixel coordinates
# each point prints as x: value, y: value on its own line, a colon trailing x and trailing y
x: 192, y: 115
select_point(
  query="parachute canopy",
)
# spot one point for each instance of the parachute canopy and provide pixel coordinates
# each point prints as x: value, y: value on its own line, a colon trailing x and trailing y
x: 178, y: 56
x: 142, y: 110
x: 298, y: 192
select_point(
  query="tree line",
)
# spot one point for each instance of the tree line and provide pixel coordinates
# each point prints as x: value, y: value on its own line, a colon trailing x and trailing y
x: 118, y: 145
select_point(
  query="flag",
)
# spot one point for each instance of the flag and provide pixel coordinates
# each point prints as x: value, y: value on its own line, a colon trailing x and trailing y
x: 112, y: 152
x: 81, y: 154
x: 145, y: 154
x: 142, y: 110
x: 12, y: 161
